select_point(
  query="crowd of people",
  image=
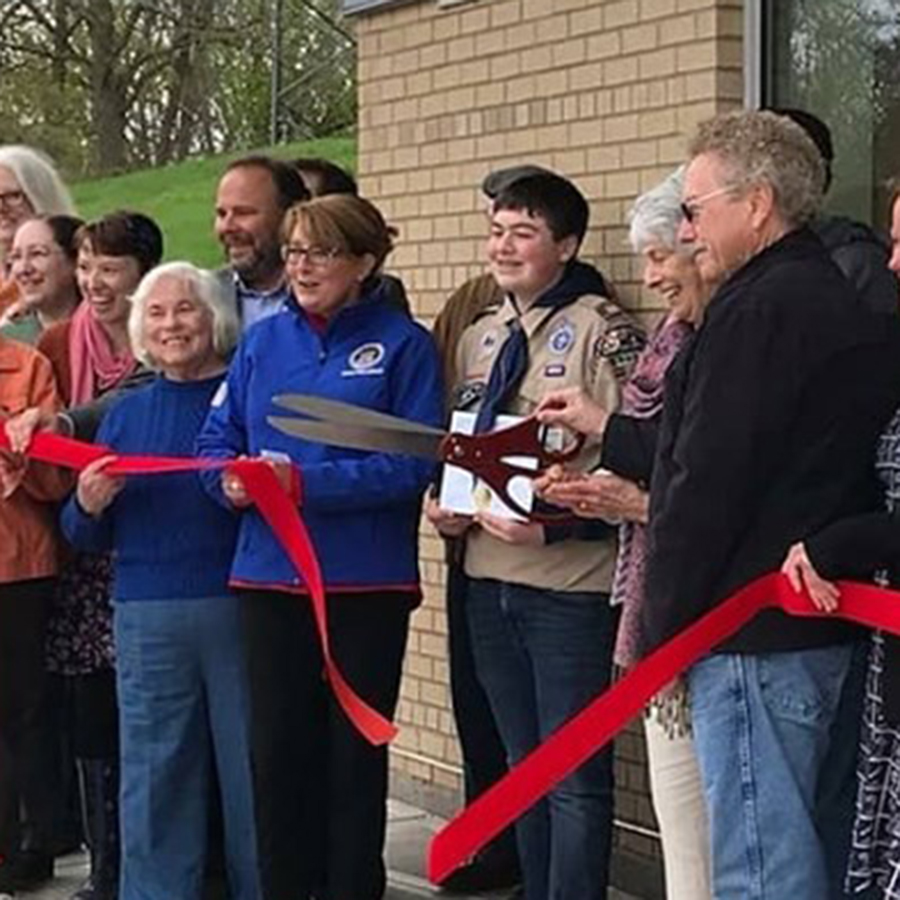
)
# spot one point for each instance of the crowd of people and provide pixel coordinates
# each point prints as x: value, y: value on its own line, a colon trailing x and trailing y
x: 161, y: 673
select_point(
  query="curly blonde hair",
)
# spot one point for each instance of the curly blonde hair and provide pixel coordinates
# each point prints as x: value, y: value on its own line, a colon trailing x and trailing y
x: 763, y: 146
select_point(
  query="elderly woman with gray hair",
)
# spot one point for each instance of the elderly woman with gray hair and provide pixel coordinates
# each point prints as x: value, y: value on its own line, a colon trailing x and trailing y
x: 670, y: 272
x: 180, y: 671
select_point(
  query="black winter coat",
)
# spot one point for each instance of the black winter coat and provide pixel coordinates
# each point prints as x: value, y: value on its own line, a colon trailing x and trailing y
x: 769, y: 424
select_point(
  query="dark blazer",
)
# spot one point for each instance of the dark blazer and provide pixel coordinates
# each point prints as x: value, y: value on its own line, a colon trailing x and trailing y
x: 769, y: 424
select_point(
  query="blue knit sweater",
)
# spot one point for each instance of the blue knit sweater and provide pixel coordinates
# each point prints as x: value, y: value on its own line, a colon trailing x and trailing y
x: 169, y: 539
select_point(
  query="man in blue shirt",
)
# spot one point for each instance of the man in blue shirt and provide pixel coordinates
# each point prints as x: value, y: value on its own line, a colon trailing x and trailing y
x: 251, y: 199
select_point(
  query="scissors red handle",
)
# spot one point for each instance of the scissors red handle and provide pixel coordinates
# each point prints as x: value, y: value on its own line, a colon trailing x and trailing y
x: 483, y: 455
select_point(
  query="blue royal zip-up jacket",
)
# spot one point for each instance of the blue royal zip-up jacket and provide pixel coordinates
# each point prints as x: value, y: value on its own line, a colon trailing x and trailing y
x: 362, y: 508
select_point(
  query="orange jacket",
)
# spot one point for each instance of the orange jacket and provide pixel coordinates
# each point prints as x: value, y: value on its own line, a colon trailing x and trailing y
x: 29, y: 547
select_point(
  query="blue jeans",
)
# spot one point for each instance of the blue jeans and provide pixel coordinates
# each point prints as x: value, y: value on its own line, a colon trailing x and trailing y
x: 762, y: 726
x: 182, y: 705
x: 541, y: 656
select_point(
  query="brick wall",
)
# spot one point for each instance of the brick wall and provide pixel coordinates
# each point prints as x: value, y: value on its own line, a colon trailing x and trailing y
x: 602, y: 91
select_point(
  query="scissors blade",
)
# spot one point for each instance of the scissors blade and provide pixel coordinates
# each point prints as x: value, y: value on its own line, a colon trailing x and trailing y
x: 360, y: 437
x: 340, y: 413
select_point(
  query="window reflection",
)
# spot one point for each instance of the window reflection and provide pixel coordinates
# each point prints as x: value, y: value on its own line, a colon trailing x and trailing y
x: 840, y: 59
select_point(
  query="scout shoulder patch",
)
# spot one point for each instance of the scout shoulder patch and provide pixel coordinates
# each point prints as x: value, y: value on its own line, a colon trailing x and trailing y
x: 620, y: 346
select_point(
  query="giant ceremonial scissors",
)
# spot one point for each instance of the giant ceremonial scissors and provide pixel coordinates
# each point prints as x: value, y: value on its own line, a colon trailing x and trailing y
x: 487, y: 456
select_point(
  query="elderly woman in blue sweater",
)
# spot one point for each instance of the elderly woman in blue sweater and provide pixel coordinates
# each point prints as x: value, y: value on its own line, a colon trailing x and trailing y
x: 182, y: 701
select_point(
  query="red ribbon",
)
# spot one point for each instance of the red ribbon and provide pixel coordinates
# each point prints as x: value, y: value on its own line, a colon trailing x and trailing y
x: 603, y: 718
x: 282, y: 516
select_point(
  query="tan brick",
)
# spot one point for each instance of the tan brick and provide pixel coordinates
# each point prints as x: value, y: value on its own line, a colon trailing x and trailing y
x: 521, y: 36
x: 586, y: 21
x: 603, y: 46
x: 678, y: 30
x: 639, y: 38
x: 699, y: 55
x: 617, y: 71
x: 506, y: 66
x: 657, y: 123
x: 505, y: 12
x: 418, y: 33
x: 519, y: 89
x: 490, y: 42
x: 615, y: 15
x: 536, y: 59
x: 656, y: 9
x: 658, y: 64
x: 587, y: 77
x: 474, y: 20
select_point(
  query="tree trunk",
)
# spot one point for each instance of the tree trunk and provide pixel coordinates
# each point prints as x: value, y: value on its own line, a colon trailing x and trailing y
x: 109, y: 99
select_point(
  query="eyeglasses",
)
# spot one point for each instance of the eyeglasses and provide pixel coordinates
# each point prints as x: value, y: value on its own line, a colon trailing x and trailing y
x: 318, y: 257
x: 690, y: 209
x: 12, y: 199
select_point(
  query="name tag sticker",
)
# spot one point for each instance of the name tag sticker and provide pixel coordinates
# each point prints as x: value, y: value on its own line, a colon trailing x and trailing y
x: 554, y: 370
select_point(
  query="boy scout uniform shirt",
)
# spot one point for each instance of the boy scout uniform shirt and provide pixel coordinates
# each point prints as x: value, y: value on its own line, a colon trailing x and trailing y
x: 590, y: 343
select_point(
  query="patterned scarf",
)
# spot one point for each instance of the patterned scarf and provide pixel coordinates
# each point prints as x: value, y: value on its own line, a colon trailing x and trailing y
x: 642, y: 397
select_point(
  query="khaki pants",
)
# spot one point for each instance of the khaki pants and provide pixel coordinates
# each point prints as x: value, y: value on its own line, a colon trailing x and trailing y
x: 681, y: 813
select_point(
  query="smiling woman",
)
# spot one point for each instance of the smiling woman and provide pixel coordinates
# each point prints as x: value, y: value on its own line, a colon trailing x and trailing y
x: 180, y: 678
x: 339, y: 337
x: 42, y: 265
x: 29, y: 186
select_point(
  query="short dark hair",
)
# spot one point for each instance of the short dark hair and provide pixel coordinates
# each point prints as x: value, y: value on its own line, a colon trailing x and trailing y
x: 289, y: 186
x: 124, y: 233
x: 497, y: 181
x: 818, y: 132
x: 552, y: 197
x: 65, y: 233
x: 322, y: 177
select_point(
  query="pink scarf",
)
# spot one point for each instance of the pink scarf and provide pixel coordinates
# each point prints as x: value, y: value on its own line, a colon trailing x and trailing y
x: 95, y: 366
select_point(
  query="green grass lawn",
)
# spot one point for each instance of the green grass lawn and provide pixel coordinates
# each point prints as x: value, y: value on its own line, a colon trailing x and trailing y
x: 180, y: 197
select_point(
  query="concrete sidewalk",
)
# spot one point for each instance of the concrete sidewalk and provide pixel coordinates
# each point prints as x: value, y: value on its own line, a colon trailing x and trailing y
x: 409, y: 830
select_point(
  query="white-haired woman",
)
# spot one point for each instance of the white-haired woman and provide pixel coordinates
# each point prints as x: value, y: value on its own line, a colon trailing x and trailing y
x: 669, y: 271
x: 180, y: 672
x: 29, y: 186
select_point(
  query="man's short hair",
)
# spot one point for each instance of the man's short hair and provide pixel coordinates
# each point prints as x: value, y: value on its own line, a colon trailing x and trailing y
x: 554, y: 198
x: 818, y: 131
x: 496, y: 182
x: 321, y: 177
x: 759, y: 145
x: 289, y: 186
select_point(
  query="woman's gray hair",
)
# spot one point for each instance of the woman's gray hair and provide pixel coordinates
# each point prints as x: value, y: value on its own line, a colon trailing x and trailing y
x: 656, y: 215
x: 205, y: 287
x: 38, y: 180
x: 758, y: 145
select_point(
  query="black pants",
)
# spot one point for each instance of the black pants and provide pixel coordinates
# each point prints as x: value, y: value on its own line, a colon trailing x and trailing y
x: 24, y: 758
x: 320, y: 787
x: 484, y: 758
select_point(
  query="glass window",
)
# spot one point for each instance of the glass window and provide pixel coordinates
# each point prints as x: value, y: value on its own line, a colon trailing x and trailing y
x: 840, y: 59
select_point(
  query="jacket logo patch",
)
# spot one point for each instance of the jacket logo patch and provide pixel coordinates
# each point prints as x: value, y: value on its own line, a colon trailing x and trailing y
x: 556, y: 370
x: 365, y: 360
x: 561, y: 338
